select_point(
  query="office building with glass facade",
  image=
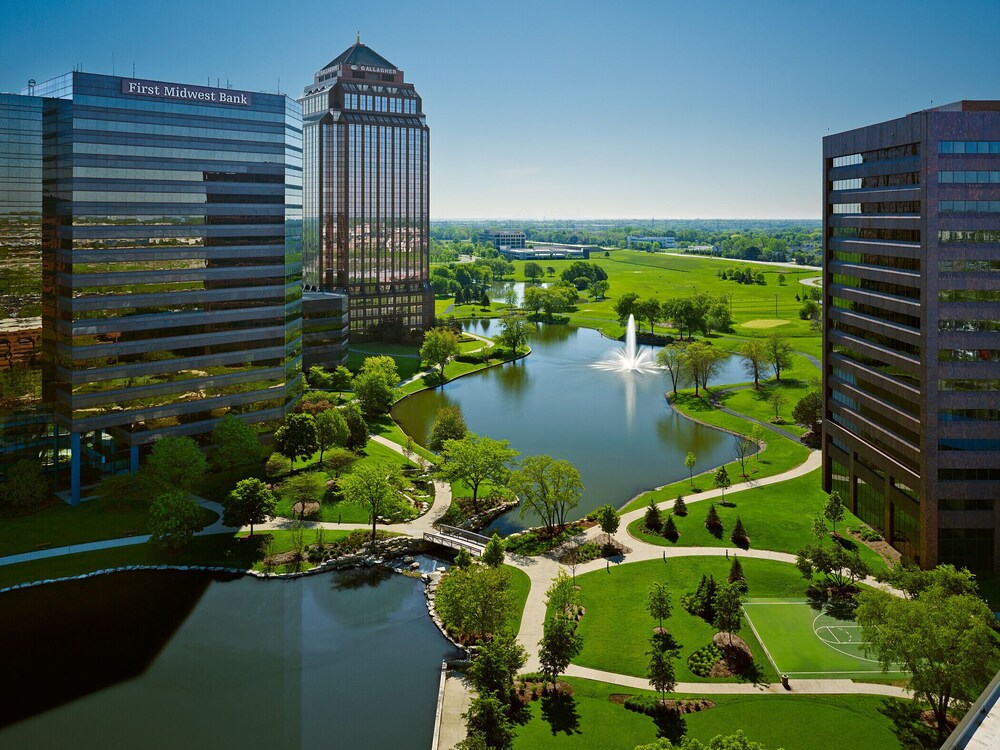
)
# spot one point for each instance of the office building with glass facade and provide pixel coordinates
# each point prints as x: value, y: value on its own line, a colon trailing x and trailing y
x: 911, y: 434
x: 170, y: 260
x: 366, y: 194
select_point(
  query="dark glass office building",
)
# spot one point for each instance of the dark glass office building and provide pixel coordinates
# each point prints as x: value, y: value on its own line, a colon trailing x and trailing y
x: 171, y: 267
x: 26, y: 427
x: 912, y: 330
x: 366, y: 194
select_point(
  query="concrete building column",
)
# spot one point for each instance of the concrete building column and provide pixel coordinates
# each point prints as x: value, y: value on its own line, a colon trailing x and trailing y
x: 133, y: 458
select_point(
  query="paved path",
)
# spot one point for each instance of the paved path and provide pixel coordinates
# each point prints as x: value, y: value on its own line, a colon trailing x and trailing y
x: 816, y: 281
x: 734, y: 261
x: 713, y: 399
x: 453, y: 702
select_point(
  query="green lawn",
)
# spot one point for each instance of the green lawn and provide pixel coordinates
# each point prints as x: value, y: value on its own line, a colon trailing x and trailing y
x: 792, y: 722
x: 617, y: 627
x: 780, y: 455
x: 520, y: 585
x: 60, y: 525
x: 777, y: 517
x: 805, y: 643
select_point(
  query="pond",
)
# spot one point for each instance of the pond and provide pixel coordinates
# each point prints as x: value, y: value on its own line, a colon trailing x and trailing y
x: 162, y: 659
x: 616, y: 428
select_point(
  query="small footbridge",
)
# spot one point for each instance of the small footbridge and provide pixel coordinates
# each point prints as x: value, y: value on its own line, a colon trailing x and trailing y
x: 456, y: 538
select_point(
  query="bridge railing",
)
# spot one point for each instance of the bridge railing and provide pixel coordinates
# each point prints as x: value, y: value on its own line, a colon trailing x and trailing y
x: 469, y: 536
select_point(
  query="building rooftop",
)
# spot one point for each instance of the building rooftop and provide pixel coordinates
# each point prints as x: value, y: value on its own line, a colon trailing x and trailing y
x: 360, y: 54
x: 968, y: 105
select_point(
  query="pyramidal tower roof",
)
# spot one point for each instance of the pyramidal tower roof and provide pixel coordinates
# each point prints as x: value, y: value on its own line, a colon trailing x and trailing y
x: 360, y: 54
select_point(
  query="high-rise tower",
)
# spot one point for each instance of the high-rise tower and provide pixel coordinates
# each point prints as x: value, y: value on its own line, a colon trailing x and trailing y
x: 366, y: 193
x: 911, y: 435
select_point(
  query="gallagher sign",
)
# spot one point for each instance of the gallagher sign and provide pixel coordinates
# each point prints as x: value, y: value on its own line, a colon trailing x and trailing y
x: 160, y: 90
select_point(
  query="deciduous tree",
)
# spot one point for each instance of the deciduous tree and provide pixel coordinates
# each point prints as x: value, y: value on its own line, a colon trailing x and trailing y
x: 475, y: 460
x: 779, y: 353
x: 449, y: 424
x: 179, y: 462
x: 475, y: 603
x: 24, y: 486
x: 754, y: 355
x: 307, y: 487
x: 624, y: 306
x: 671, y: 359
x: 174, y: 517
x: 296, y: 438
x: 331, y: 430
x: 809, y: 411
x: 373, y: 486
x: 722, y: 482
x: 375, y: 386
x: 440, y: 346
x: 834, y: 510
x: 236, y: 444
x: 547, y: 486
x: 728, y: 609
x: 251, y: 502
x: 658, y: 603
x: 608, y: 519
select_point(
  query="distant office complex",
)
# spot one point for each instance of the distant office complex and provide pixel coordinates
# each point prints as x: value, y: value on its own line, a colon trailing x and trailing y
x: 663, y: 242
x: 153, y: 230
x: 911, y: 435
x: 503, y: 239
x: 366, y: 227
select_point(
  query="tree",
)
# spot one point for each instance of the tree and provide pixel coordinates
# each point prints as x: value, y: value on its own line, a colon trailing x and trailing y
x: 236, y: 444
x: 736, y: 741
x: 754, y: 355
x: 658, y: 603
x: 534, y: 299
x: 296, y: 438
x: 179, y: 462
x: 712, y: 521
x: 820, y: 529
x: 728, y: 609
x: 599, y: 289
x: 670, y: 529
x: 779, y: 353
x: 653, y: 518
x: 809, y: 411
x: 743, y: 448
x: 331, y: 430
x: 341, y: 379
x: 625, y: 306
x: 559, y: 645
x: 549, y: 270
x: 304, y: 488
x: 840, y: 568
x: 463, y: 559
x: 484, y: 300
x: 781, y: 279
x: 736, y: 575
x: 547, y: 486
x: 701, y: 363
x: 372, y: 486
x: 648, y: 310
x: 671, y: 359
x: 439, y: 347
x: 532, y: 270
x: 251, y: 502
x: 493, y: 552
x: 488, y: 717
x: 449, y: 424
x: 722, y: 482
x: 680, y: 507
x: 475, y: 603
x: 375, y: 386
x: 318, y: 377
x: 514, y: 330
x: 739, y: 536
x: 496, y: 664
x: 777, y: 399
x: 357, y: 425
x: 24, y: 486
x: 834, y: 510
x: 174, y: 517
x: 337, y: 460
x: 475, y: 460
x: 690, y: 460
x: 608, y: 519
x: 661, y: 667
x: 277, y: 466
x: 914, y: 581
x: 459, y: 297
x: 943, y: 639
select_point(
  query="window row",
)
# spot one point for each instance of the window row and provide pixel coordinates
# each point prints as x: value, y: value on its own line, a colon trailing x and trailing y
x: 977, y: 236
x: 881, y: 261
x: 969, y: 384
x: 881, y: 207
x: 969, y: 295
x: 968, y: 355
x: 963, y: 265
x: 969, y: 475
x: 874, y: 233
x: 390, y: 104
x: 969, y: 147
x: 969, y: 176
x: 882, y: 154
x: 897, y: 179
x: 976, y: 207
x: 969, y: 326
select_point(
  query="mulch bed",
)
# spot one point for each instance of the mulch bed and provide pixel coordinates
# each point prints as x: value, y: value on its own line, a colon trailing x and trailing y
x: 737, y: 657
x: 528, y: 691
x: 684, y: 706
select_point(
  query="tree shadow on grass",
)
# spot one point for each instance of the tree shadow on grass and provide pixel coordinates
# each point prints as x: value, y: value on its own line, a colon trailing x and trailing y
x: 909, y: 730
x: 559, y: 711
x: 671, y: 725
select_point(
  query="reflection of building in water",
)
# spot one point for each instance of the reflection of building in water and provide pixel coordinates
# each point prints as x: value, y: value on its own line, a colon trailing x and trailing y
x: 911, y: 422
x: 168, y: 271
x: 366, y: 194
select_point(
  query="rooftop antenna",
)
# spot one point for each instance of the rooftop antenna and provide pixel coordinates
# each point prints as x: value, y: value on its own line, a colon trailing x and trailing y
x: 359, y: 37
x: 112, y: 62
x: 133, y: 68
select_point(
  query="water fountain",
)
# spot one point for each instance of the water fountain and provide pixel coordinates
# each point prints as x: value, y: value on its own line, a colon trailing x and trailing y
x: 629, y: 359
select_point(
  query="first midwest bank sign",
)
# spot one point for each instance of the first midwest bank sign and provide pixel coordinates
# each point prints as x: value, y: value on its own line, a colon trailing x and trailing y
x: 160, y: 90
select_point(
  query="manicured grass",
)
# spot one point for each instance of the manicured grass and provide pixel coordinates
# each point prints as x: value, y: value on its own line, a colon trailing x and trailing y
x: 617, y: 628
x: 780, y: 455
x: 805, y: 643
x: 792, y: 722
x: 387, y: 428
x: 777, y: 517
x: 60, y: 525
x: 343, y: 512
x: 520, y: 585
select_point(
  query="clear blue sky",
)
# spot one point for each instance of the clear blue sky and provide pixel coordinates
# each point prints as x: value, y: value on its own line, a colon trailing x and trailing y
x: 568, y: 108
